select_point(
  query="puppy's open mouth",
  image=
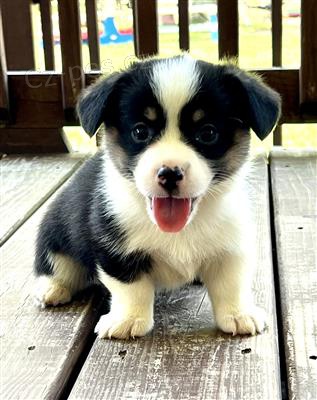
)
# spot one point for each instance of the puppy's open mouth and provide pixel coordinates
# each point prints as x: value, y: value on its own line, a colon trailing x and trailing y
x: 171, y: 213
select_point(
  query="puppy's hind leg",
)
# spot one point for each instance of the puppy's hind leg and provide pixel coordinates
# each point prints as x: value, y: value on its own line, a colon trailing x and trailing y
x: 59, y: 277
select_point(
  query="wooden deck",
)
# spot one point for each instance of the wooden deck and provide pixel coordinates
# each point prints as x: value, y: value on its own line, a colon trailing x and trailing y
x: 53, y: 353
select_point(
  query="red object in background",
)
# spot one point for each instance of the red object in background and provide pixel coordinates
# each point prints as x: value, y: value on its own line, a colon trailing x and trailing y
x: 128, y: 31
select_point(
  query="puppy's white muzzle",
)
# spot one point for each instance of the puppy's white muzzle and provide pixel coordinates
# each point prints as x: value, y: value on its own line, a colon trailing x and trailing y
x: 173, y: 177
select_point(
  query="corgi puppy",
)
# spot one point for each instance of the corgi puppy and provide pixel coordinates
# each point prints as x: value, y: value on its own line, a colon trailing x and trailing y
x: 164, y: 202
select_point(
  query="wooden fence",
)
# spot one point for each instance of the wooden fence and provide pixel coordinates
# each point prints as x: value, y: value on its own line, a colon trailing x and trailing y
x: 34, y: 106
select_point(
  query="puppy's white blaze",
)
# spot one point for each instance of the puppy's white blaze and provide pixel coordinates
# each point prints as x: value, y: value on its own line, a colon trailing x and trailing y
x: 174, y: 82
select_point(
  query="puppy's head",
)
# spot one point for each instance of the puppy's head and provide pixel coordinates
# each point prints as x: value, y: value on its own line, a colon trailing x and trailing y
x: 178, y: 127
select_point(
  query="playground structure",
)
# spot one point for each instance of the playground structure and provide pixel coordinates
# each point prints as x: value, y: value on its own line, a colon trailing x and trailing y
x: 109, y: 34
x: 115, y: 29
x: 112, y: 32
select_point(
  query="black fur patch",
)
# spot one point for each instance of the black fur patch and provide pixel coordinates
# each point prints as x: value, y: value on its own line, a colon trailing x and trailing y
x: 78, y: 223
x: 129, y: 100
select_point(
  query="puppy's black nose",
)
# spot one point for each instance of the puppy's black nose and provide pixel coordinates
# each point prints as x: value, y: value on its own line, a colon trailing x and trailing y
x: 168, y: 178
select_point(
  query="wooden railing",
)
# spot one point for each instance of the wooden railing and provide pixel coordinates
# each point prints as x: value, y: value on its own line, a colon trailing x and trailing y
x: 35, y: 106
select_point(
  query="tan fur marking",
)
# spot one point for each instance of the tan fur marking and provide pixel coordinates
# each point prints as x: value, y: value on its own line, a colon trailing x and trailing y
x: 150, y: 113
x: 198, y: 115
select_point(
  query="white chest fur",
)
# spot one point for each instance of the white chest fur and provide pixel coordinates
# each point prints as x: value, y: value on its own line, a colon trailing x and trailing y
x: 177, y: 258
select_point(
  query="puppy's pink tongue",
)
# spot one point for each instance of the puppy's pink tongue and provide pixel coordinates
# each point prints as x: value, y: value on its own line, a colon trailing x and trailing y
x: 171, y: 214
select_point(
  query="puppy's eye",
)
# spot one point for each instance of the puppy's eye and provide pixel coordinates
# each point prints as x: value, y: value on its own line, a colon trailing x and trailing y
x: 140, y: 133
x: 207, y: 135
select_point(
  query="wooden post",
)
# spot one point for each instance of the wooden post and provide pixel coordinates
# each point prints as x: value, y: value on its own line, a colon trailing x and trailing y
x: 93, y: 34
x: 277, y: 33
x: 47, y: 30
x: 308, y: 70
x: 18, y: 35
x: 145, y: 27
x: 36, y: 115
x: 277, y: 136
x: 228, y: 23
x: 4, y: 97
x: 73, y: 75
x: 277, y: 53
x: 183, y: 24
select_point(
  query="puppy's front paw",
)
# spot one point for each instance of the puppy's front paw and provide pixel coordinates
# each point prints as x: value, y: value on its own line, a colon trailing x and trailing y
x: 242, y: 322
x: 50, y: 293
x: 111, y: 326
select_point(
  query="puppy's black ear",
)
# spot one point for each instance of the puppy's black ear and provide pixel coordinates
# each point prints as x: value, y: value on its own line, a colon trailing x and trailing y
x: 92, y: 102
x: 263, y: 104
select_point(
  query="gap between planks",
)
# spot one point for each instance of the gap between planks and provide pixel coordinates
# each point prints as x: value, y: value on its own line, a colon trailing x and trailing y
x: 294, y: 191
x: 284, y: 388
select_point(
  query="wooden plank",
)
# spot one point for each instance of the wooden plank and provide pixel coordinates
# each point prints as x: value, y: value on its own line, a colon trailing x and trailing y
x: 18, y: 35
x: 228, y: 28
x: 277, y: 33
x: 185, y: 357
x: 37, y: 100
x: 47, y: 31
x: 145, y: 27
x: 39, y: 348
x: 93, y: 34
x: 33, y: 140
x: 183, y: 24
x: 308, y: 70
x: 4, y: 96
x: 294, y: 178
x: 70, y: 34
x: 37, y: 115
x: 26, y: 183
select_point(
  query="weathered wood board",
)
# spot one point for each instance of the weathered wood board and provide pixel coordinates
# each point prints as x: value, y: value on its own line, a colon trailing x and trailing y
x: 26, y: 182
x: 38, y: 348
x: 185, y: 357
x: 294, y: 188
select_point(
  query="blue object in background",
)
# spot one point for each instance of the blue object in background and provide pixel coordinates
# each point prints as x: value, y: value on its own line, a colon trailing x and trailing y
x: 214, y: 27
x: 111, y: 34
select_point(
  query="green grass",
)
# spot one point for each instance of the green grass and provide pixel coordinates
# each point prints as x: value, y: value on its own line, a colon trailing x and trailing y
x: 254, y: 52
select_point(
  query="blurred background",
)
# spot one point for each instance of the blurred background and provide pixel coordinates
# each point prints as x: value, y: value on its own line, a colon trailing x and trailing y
x: 115, y: 29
